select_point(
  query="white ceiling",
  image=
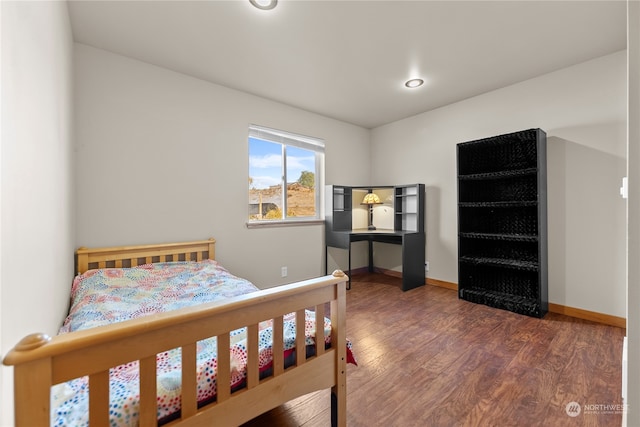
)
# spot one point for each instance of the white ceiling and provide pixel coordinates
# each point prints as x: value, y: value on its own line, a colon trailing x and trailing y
x: 349, y: 59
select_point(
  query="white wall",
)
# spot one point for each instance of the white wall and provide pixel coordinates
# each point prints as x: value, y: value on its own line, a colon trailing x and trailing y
x: 37, y: 190
x: 164, y: 157
x: 582, y: 109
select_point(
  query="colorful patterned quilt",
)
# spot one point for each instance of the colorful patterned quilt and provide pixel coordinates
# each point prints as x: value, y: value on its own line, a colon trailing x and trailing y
x: 106, y: 296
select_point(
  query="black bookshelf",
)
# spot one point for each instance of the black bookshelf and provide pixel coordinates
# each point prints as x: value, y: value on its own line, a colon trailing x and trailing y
x: 502, y: 222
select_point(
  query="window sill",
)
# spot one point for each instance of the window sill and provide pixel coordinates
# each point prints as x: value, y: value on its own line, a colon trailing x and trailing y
x: 282, y: 223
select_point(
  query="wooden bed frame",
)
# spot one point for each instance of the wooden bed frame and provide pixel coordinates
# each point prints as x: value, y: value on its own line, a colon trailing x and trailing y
x: 40, y: 361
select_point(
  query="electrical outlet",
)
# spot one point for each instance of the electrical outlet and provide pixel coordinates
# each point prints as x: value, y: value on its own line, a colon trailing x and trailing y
x: 283, y: 271
x: 426, y: 266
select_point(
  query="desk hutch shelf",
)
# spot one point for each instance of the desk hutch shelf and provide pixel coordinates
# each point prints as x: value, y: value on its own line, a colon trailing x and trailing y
x: 406, y: 228
x: 502, y: 222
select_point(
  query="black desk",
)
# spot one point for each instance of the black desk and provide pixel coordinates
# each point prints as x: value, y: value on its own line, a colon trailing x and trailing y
x: 413, y: 251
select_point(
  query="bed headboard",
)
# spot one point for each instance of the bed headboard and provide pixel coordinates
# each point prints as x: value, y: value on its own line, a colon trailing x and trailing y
x: 131, y: 256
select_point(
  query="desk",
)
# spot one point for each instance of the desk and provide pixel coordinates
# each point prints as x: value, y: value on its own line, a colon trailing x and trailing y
x: 399, y: 222
x: 413, y: 250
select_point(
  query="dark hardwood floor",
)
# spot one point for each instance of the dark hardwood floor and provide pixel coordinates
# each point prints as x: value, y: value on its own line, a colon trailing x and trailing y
x: 428, y: 359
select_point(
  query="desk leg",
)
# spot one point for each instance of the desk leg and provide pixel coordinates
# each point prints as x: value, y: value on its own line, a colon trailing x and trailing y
x: 370, y: 256
x: 349, y: 273
x: 326, y: 260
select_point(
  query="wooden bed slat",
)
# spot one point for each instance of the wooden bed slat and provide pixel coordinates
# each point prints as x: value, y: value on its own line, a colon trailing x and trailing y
x: 278, y: 345
x: 223, y: 377
x: 252, y: 356
x: 189, y: 381
x: 319, y: 329
x: 99, y: 399
x: 301, y: 345
x: 148, y: 392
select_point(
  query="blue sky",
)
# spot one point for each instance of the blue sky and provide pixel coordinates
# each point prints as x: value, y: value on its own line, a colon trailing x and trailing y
x: 265, y: 162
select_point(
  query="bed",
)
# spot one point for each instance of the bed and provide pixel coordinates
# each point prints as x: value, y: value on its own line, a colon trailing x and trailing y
x: 181, y: 349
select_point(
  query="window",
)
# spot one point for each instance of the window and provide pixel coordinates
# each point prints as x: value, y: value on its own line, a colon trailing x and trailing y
x: 285, y: 172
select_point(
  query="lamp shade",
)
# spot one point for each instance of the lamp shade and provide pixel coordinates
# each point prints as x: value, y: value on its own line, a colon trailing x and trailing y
x: 371, y: 199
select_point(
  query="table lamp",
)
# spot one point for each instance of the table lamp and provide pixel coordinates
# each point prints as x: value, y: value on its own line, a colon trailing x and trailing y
x: 371, y: 199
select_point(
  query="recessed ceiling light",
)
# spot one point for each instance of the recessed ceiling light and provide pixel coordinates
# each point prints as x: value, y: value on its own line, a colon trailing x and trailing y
x: 413, y: 83
x: 264, y: 4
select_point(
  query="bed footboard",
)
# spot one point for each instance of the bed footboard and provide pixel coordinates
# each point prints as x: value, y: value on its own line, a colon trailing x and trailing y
x: 41, y: 362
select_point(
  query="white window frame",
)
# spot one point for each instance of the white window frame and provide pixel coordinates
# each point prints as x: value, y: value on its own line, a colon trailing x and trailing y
x: 285, y: 139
